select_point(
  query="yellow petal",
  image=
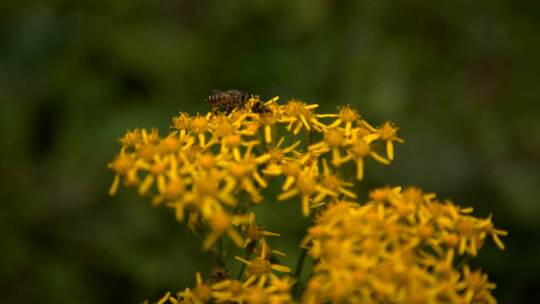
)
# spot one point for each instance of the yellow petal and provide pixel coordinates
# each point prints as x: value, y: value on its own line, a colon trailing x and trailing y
x: 390, y: 150
x: 287, y: 195
x: 164, y: 298
x: 360, y: 169
x: 268, y: 134
x: 280, y: 268
x: 114, y: 186
x: 235, y: 236
x: 146, y: 184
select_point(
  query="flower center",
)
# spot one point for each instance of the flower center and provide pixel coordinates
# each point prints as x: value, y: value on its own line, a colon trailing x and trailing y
x: 200, y: 124
x: 220, y: 222
x: 182, y: 121
x: 207, y: 185
x: 334, y: 138
x: 174, y: 190
x: 259, y: 267
x: 241, y: 170
x: 233, y: 140
x: 157, y: 168
x: 169, y: 144
x: 360, y: 148
x: 347, y: 114
x: 306, y: 184
x: 387, y: 131
x: 206, y: 161
x: 291, y: 169
x: 203, y: 293
x: 147, y: 152
x: 123, y: 164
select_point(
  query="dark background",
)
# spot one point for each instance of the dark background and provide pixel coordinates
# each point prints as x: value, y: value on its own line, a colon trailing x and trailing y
x: 461, y: 79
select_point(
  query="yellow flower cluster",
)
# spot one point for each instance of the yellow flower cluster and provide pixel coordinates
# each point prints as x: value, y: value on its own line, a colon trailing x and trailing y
x: 399, y: 247
x: 211, y: 170
x: 207, y: 162
x: 274, y: 291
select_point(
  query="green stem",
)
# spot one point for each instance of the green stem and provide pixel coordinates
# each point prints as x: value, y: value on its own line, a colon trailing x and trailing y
x: 263, y: 140
x: 462, y: 262
x: 247, y: 257
x: 220, y: 254
x: 298, y: 273
x: 307, y: 138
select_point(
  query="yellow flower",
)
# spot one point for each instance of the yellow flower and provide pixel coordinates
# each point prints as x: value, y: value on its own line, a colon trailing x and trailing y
x: 333, y: 141
x: 123, y: 165
x: 228, y: 291
x: 359, y: 147
x: 171, y: 191
x: 255, y: 233
x: 278, y: 155
x: 222, y: 223
x: 131, y: 138
x: 268, y: 121
x: 150, y: 138
x: 298, y: 115
x: 260, y: 268
x: 307, y: 187
x: 387, y: 133
x: 202, y: 293
x: 171, y: 144
x: 244, y: 173
x: 477, y: 287
x: 274, y: 292
x: 486, y: 226
x: 346, y: 115
x: 157, y: 169
x: 399, y: 247
x: 222, y: 126
x: 209, y: 190
x: 182, y: 123
x: 146, y: 151
x: 200, y: 126
x: 283, y: 284
x: 289, y: 168
x: 332, y: 182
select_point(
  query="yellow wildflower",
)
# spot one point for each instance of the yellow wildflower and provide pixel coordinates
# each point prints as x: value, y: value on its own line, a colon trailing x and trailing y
x: 260, y: 268
x: 255, y: 233
x: 334, y: 141
x: 307, y: 187
x: 209, y: 190
x: 244, y: 172
x: 182, y: 123
x: 373, y: 252
x: 131, y: 138
x: 359, y: 147
x: 222, y: 223
x: 299, y: 115
x: 401, y: 246
x: 477, y: 287
x: 157, y: 169
x: 346, y: 115
x: 387, y: 133
x: 123, y: 165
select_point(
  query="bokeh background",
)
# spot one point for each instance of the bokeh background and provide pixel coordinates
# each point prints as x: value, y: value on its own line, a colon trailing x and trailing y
x: 461, y: 79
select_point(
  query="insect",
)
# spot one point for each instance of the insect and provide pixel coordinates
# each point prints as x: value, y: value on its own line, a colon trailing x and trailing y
x: 227, y: 100
x: 259, y: 108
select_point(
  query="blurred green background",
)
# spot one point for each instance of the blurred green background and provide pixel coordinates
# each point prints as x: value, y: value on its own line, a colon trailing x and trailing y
x: 460, y: 78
